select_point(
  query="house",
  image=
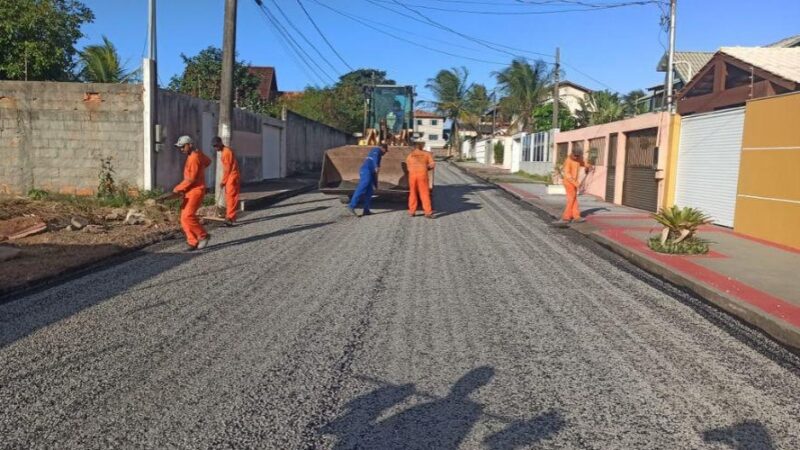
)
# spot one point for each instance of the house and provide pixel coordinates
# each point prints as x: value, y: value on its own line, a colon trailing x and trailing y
x: 431, y: 126
x: 710, y: 153
x: 571, y: 95
x: 268, y: 88
x: 687, y: 64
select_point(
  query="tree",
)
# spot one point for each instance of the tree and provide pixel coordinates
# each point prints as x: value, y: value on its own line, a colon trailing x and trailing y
x: 543, y: 118
x: 477, y: 105
x: 450, y: 89
x: 38, y: 38
x: 101, y: 64
x: 632, y: 103
x: 600, y: 107
x: 203, y: 74
x: 341, y: 105
x: 525, y: 86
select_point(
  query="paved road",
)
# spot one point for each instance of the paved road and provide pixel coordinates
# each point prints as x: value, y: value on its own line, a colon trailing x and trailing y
x: 305, y: 329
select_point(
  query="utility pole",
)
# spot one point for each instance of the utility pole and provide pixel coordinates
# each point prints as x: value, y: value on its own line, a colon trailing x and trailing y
x: 556, y: 100
x: 671, y: 58
x: 226, y: 92
x: 150, y: 112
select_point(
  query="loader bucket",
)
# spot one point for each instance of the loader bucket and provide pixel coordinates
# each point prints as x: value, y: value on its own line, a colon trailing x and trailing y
x: 340, y: 170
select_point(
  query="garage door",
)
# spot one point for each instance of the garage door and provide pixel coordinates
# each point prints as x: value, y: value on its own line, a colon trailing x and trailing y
x: 640, y: 187
x: 611, y: 163
x: 708, y: 163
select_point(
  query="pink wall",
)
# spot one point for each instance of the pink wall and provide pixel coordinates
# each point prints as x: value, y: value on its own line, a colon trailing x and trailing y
x: 596, y: 183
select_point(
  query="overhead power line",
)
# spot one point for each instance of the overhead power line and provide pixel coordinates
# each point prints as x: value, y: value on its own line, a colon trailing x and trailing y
x: 303, y: 36
x: 291, y: 44
x: 584, y: 7
x: 433, y: 49
x: 311, y: 19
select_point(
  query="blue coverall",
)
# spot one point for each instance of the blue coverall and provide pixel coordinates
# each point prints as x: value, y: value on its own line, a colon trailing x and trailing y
x: 367, y: 179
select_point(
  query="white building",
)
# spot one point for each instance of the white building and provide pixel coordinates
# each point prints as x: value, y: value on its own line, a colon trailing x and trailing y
x: 571, y: 94
x: 431, y: 125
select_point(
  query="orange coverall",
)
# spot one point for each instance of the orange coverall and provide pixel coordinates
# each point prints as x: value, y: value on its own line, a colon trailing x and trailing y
x: 193, y: 188
x: 570, y: 180
x: 418, y: 163
x: 231, y: 181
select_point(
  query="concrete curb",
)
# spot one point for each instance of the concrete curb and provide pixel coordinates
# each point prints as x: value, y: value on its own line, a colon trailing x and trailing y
x: 774, y: 327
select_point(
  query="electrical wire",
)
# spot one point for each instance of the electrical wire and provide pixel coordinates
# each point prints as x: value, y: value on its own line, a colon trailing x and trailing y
x: 368, y: 25
x: 304, y: 65
x: 313, y: 47
x: 285, y: 33
x: 311, y: 19
x: 584, y: 8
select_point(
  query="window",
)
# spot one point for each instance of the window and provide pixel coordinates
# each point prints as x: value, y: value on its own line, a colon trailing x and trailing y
x: 596, y: 151
x: 419, y: 122
x: 433, y: 137
x: 541, y: 147
x: 434, y: 122
x: 526, y: 147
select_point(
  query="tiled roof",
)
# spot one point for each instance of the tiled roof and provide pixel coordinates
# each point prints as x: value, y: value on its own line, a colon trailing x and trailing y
x: 793, y: 41
x: 269, y: 82
x: 420, y: 114
x: 687, y: 64
x: 783, y: 62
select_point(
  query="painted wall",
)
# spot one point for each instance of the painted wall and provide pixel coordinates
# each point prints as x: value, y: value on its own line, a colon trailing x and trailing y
x: 768, y: 198
x: 595, y: 183
x: 671, y: 169
x: 53, y: 135
x: 427, y: 128
x: 307, y: 140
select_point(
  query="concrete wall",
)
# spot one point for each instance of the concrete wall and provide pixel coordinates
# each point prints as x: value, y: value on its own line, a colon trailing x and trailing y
x: 53, y: 135
x: 768, y: 200
x: 307, y: 140
x: 596, y: 182
x: 180, y: 114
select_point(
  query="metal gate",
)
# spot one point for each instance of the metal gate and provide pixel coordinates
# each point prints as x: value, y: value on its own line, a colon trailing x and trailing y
x: 611, y: 164
x: 640, y: 188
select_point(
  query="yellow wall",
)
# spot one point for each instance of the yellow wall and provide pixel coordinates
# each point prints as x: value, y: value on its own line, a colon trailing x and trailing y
x: 671, y: 171
x: 768, y: 201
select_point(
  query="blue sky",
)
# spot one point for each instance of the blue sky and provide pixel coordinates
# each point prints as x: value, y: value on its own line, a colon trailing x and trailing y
x: 617, y: 48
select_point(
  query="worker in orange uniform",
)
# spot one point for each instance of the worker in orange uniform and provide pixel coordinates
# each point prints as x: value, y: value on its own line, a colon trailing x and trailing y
x: 419, y: 162
x: 192, y: 189
x: 570, y: 178
x: 230, y: 180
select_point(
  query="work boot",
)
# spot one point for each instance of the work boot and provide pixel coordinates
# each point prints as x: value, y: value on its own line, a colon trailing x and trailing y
x: 191, y: 248
x: 366, y: 212
x: 352, y: 211
x: 229, y: 223
x: 579, y: 220
x: 203, y: 243
x: 429, y: 216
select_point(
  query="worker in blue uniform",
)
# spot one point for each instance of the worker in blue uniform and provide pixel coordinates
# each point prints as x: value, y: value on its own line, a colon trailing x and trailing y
x: 367, y: 180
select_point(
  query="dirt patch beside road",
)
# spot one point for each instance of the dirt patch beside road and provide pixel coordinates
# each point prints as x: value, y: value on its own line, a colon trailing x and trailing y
x: 61, y: 248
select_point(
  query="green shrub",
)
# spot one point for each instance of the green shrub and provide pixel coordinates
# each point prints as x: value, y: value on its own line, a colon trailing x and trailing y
x: 690, y: 246
x: 499, y: 149
x: 37, y: 194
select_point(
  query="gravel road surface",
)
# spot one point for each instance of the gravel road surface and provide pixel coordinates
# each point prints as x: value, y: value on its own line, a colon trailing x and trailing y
x: 304, y: 328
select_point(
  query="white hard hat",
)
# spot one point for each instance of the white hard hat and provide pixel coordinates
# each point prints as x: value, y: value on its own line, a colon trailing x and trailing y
x: 183, y: 140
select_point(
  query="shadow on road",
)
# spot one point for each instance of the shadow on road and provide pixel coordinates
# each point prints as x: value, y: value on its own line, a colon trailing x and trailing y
x: 440, y: 423
x: 452, y: 199
x: 592, y: 211
x: 285, y: 205
x: 281, y: 215
x: 261, y: 237
x: 749, y: 435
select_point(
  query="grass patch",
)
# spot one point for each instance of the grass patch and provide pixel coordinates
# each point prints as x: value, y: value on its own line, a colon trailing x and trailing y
x: 690, y: 246
x: 544, y: 179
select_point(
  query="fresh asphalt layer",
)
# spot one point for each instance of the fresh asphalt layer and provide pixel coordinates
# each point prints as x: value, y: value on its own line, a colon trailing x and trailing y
x: 305, y: 328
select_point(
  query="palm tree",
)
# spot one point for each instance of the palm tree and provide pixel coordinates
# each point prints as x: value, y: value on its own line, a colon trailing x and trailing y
x: 600, y: 107
x: 478, y: 103
x: 525, y: 86
x: 633, y: 104
x: 101, y: 64
x: 450, y: 89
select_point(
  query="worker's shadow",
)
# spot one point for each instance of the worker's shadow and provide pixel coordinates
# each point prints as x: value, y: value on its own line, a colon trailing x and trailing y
x: 748, y: 435
x: 452, y: 199
x: 281, y: 215
x: 593, y: 211
x: 440, y: 423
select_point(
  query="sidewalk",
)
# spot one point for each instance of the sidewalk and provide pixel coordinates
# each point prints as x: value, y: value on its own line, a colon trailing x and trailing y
x: 754, y: 280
